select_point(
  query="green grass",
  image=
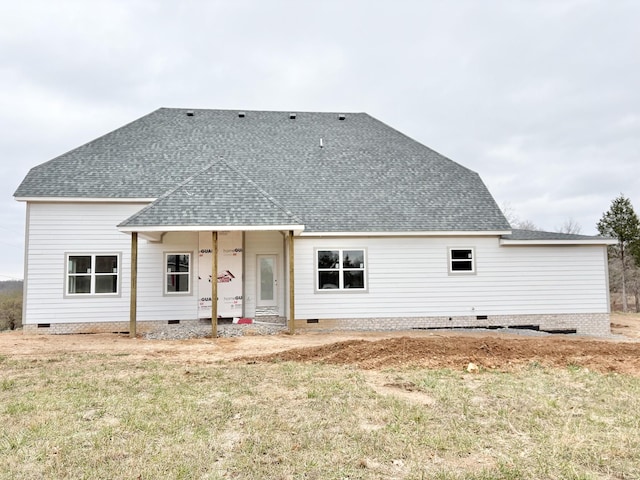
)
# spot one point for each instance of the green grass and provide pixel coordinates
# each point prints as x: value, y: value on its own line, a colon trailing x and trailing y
x: 88, y: 416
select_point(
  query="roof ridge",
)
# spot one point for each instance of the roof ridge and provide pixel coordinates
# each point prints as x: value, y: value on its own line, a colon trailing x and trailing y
x: 262, y: 191
x: 236, y: 110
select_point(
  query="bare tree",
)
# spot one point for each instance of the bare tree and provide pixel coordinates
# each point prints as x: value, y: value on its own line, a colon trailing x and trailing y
x: 570, y: 225
x: 515, y: 221
x: 526, y: 225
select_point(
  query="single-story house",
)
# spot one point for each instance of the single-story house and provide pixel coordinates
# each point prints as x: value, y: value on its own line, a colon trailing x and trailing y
x: 321, y: 220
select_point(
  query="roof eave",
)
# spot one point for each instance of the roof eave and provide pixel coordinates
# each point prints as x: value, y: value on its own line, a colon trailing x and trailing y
x: 84, y: 199
x: 297, y: 229
x: 428, y: 233
x: 594, y: 241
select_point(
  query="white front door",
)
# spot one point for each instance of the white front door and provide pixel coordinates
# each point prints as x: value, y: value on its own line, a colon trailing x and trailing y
x: 267, y: 295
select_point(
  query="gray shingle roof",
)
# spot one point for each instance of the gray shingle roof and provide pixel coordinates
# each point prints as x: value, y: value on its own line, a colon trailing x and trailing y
x: 366, y: 177
x: 517, y: 234
x: 237, y: 203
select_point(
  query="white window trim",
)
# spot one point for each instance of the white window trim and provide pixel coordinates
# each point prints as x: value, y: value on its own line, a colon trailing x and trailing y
x: 92, y: 293
x: 451, y: 260
x: 340, y: 271
x: 165, y: 274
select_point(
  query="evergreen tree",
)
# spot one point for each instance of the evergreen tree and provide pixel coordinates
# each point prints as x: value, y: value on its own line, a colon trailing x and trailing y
x: 621, y: 222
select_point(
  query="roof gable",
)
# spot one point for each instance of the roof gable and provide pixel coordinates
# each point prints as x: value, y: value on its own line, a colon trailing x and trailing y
x: 216, y: 196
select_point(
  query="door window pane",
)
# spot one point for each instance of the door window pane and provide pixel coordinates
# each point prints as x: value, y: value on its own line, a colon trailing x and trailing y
x: 266, y: 279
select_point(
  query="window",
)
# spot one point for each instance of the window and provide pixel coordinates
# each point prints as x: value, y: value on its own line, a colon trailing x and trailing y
x: 341, y: 269
x: 178, y: 276
x: 92, y: 274
x: 461, y: 260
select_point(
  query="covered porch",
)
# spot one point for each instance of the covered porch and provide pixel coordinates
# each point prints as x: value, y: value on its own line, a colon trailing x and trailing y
x: 248, y: 270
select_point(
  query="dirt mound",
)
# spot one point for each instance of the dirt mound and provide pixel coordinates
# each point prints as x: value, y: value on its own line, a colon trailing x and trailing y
x: 505, y: 354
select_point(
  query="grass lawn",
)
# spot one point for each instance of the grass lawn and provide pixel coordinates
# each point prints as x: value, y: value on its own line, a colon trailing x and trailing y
x: 109, y: 416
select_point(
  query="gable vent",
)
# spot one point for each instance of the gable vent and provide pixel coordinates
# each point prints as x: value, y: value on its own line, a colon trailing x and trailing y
x: 292, y: 116
x: 342, y: 116
x: 189, y: 113
x: 241, y: 114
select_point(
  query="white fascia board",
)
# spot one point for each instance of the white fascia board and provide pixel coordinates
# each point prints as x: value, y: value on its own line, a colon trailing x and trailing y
x: 297, y: 229
x: 83, y: 200
x: 492, y: 233
x: 598, y: 241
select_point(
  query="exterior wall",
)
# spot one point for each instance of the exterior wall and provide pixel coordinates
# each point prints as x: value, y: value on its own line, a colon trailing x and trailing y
x: 409, y: 278
x: 409, y: 284
x: 55, y: 229
x: 153, y: 304
x: 59, y: 228
x: 263, y: 243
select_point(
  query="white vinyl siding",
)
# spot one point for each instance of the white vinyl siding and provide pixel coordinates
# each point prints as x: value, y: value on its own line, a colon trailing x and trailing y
x: 409, y: 277
x: 153, y: 304
x: 56, y: 229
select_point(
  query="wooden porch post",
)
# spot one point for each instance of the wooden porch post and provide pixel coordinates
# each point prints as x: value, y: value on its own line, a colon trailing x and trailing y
x: 292, y: 302
x: 214, y: 284
x: 133, y: 305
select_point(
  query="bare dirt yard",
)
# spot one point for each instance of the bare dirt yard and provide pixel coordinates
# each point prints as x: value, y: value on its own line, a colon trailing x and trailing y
x: 368, y: 350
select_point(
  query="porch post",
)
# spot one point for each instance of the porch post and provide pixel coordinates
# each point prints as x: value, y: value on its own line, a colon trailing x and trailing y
x: 292, y: 300
x: 214, y: 284
x: 133, y: 297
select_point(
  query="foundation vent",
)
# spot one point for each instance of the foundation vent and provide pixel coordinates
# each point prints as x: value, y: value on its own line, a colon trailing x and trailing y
x: 292, y: 116
x: 190, y: 113
x: 342, y: 116
x: 241, y: 114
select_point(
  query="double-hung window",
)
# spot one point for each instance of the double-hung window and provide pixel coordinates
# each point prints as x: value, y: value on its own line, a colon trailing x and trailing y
x: 178, y: 273
x: 341, y: 269
x: 93, y: 274
x: 462, y: 260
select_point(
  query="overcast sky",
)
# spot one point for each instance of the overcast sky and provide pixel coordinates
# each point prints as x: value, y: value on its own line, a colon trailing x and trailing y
x: 541, y: 98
